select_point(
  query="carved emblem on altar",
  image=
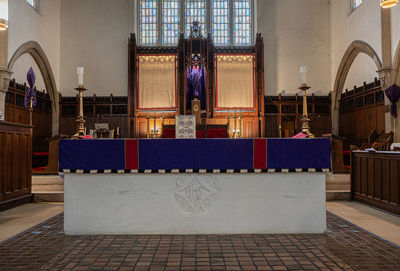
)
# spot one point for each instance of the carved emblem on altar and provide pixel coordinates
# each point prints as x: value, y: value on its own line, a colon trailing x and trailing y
x: 185, y: 126
x: 196, y: 194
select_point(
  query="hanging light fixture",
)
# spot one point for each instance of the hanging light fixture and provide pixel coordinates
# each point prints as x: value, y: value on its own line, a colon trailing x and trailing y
x: 389, y: 3
x: 3, y: 15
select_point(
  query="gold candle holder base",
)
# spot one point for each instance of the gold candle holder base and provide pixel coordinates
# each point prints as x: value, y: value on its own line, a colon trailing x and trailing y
x: 80, y: 121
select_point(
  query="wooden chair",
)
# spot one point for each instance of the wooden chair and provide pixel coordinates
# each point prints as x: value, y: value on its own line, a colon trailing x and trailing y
x: 380, y: 143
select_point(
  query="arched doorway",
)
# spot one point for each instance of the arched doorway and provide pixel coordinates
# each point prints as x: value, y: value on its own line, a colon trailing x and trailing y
x: 355, y: 48
x: 35, y: 50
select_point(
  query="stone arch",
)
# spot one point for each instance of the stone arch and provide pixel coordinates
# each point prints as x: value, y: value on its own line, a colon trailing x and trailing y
x: 35, y: 50
x: 355, y: 48
x: 396, y: 80
x: 396, y: 66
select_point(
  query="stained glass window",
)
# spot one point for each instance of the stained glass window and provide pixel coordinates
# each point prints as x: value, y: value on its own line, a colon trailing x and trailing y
x: 242, y: 22
x: 33, y: 3
x: 195, y: 10
x: 148, y: 22
x: 170, y: 21
x: 230, y: 22
x: 355, y: 3
x: 220, y: 22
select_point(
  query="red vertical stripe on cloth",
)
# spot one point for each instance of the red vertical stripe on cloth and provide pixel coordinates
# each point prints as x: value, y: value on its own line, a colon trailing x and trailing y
x: 260, y: 153
x: 131, y: 154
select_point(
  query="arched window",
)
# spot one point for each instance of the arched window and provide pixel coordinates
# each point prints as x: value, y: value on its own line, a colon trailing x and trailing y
x: 34, y: 4
x: 230, y: 22
x: 355, y: 4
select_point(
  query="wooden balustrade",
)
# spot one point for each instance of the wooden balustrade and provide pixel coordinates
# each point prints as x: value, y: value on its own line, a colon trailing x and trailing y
x: 375, y: 179
x: 15, y: 164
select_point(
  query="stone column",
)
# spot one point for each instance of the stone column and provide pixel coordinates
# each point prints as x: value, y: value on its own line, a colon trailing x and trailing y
x: 5, y: 74
x: 386, y: 74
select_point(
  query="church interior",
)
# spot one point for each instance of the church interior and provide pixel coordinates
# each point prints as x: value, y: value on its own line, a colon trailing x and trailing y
x: 199, y: 135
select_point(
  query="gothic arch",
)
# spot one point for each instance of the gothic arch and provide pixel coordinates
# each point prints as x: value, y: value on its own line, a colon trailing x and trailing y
x: 355, y: 48
x: 396, y: 66
x: 35, y: 50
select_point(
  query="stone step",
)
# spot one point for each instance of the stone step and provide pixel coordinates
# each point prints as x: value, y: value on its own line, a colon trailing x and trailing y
x: 333, y: 195
x: 338, y: 187
x: 52, y: 196
x: 47, y: 180
x: 48, y: 188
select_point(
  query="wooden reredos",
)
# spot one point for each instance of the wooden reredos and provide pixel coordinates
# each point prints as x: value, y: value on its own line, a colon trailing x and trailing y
x: 253, y: 124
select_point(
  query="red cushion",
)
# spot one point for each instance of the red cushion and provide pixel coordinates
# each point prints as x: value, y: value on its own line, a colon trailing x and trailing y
x: 40, y: 153
x: 36, y: 169
x: 346, y: 152
x: 200, y: 134
x: 168, y: 133
x: 216, y: 133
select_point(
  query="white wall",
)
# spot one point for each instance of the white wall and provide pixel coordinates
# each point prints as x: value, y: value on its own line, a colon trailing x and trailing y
x: 363, y: 69
x: 363, y: 24
x: 26, y: 24
x: 295, y: 33
x: 94, y: 34
x: 21, y: 68
x: 101, y: 46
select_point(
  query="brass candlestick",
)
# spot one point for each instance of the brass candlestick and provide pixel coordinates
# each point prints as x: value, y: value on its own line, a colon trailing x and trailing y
x: 80, y: 121
x: 240, y: 124
x: 305, y: 126
x: 155, y: 125
x: 148, y: 124
x: 234, y: 131
x: 31, y: 112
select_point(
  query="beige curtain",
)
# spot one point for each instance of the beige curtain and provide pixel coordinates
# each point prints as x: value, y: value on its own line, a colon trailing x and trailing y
x: 157, y: 82
x: 235, y: 81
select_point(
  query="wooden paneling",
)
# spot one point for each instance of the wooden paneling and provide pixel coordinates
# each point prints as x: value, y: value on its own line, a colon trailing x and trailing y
x: 41, y: 116
x: 375, y: 178
x: 15, y: 161
x: 380, y: 118
x: 272, y: 126
x: 360, y: 123
x: 68, y: 124
x: 103, y: 109
x: 361, y: 111
x: 283, y: 115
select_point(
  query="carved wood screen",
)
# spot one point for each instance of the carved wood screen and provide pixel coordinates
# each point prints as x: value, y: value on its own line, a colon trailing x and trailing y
x: 252, y: 119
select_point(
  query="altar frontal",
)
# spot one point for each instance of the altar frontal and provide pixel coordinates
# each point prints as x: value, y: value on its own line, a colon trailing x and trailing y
x: 198, y: 186
x: 194, y: 154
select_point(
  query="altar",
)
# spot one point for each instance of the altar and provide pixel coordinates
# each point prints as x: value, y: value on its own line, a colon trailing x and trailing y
x: 194, y: 186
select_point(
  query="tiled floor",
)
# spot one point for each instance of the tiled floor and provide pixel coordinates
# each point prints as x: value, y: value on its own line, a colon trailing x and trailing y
x: 343, y: 247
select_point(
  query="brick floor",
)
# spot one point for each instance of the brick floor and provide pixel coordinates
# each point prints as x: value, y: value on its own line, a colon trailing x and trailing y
x: 343, y: 247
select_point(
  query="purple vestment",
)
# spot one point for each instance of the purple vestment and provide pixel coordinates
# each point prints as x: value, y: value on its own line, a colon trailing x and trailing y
x: 30, y: 92
x: 393, y: 93
x: 196, y: 86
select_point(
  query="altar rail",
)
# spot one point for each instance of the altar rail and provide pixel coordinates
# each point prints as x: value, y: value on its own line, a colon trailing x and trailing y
x: 15, y: 164
x: 135, y: 155
x: 375, y: 179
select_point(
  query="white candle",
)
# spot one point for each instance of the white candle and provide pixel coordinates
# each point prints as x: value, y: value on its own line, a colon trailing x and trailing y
x: 303, y: 72
x: 80, y: 72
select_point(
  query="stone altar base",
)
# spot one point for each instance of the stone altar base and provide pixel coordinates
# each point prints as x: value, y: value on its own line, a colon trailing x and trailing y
x: 194, y: 203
